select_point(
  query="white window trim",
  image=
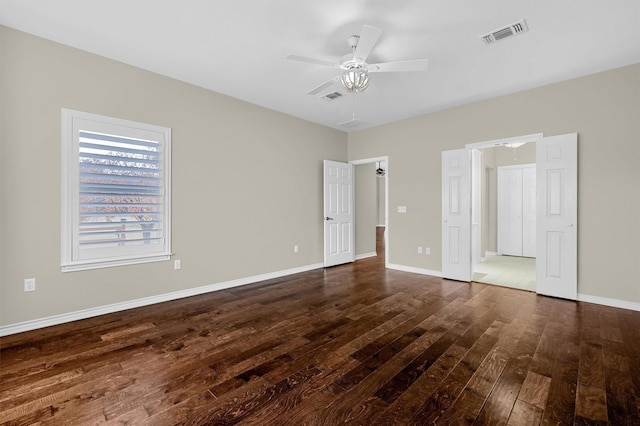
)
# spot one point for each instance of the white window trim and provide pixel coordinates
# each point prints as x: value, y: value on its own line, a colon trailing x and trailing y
x: 70, y: 192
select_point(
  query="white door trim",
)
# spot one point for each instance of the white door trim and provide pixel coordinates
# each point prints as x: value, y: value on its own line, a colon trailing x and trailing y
x: 385, y: 158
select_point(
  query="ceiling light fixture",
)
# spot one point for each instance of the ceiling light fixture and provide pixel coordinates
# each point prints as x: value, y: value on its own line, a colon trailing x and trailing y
x: 355, y: 78
x: 514, y: 144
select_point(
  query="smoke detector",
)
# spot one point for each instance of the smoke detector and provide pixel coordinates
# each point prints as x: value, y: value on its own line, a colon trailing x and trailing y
x: 504, y: 32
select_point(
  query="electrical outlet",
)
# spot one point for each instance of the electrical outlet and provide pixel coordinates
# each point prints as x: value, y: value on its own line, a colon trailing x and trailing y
x: 29, y: 284
x: 295, y: 248
x: 419, y: 250
x: 427, y: 250
x: 177, y: 264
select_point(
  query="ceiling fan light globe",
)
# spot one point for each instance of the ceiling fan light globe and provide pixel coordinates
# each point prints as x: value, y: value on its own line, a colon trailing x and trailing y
x: 355, y: 80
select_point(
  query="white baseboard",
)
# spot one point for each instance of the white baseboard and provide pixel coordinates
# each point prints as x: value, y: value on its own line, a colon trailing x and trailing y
x: 616, y: 303
x: 366, y: 255
x: 414, y: 270
x: 121, y: 306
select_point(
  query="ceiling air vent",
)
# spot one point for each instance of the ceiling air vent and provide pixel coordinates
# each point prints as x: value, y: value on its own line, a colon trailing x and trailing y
x: 331, y: 96
x: 352, y: 124
x: 501, y: 33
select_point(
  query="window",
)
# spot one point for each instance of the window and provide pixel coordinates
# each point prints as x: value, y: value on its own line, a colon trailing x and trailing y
x: 116, y: 191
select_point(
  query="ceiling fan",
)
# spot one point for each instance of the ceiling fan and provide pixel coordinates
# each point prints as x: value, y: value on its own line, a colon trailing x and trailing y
x: 354, y: 70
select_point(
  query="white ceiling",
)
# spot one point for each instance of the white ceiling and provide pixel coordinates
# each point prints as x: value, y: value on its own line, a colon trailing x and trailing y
x: 238, y: 47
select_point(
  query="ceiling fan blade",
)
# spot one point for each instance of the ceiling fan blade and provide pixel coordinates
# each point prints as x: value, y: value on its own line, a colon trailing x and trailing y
x: 314, y: 61
x: 400, y: 66
x: 368, y: 38
x: 323, y: 86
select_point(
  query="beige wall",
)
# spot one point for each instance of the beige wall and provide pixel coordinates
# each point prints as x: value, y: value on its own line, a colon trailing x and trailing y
x: 366, y: 208
x: 604, y: 110
x: 246, y: 180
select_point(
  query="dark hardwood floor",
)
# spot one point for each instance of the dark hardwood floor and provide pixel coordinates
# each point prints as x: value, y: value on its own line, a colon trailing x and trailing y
x: 353, y: 344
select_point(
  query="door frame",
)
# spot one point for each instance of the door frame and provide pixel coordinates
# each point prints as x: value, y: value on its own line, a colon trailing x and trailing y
x: 386, y: 199
x: 539, y: 139
x: 534, y: 137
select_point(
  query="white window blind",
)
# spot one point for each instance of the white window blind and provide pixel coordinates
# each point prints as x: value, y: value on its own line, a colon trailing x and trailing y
x: 116, y: 206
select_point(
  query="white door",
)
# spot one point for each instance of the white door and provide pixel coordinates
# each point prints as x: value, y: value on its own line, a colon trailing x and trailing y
x: 476, y: 206
x: 510, y: 211
x: 517, y: 210
x: 456, y: 215
x: 338, y: 218
x: 529, y: 211
x: 557, y: 226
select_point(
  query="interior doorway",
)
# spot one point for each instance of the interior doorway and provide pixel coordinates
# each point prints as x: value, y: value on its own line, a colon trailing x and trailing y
x: 507, y: 224
x: 377, y: 174
x: 556, y: 212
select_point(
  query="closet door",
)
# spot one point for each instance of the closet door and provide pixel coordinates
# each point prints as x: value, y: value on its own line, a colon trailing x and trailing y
x: 517, y: 210
x: 510, y: 211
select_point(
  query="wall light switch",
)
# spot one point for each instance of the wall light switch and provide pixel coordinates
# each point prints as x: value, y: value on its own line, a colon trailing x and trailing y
x: 402, y: 209
x: 29, y: 284
x: 177, y: 264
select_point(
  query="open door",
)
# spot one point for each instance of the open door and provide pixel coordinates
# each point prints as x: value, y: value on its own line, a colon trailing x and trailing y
x: 456, y: 214
x: 339, y: 230
x: 476, y: 207
x: 557, y: 213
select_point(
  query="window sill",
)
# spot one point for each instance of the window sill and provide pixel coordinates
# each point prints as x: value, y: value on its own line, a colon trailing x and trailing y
x: 83, y: 266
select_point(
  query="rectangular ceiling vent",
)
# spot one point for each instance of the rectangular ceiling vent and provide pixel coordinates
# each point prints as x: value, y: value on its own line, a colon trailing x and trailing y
x: 505, y: 32
x: 352, y: 124
x: 331, y: 96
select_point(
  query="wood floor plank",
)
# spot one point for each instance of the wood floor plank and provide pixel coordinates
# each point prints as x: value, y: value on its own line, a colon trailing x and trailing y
x: 591, y: 403
x: 591, y: 370
x: 524, y: 414
x: 560, y: 408
x: 354, y: 344
x: 535, y: 389
x: 502, y: 398
x: 404, y: 407
x: 447, y: 393
x: 622, y: 407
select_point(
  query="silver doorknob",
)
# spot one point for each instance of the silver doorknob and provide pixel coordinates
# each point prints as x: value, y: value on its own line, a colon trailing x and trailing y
x: 328, y: 218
